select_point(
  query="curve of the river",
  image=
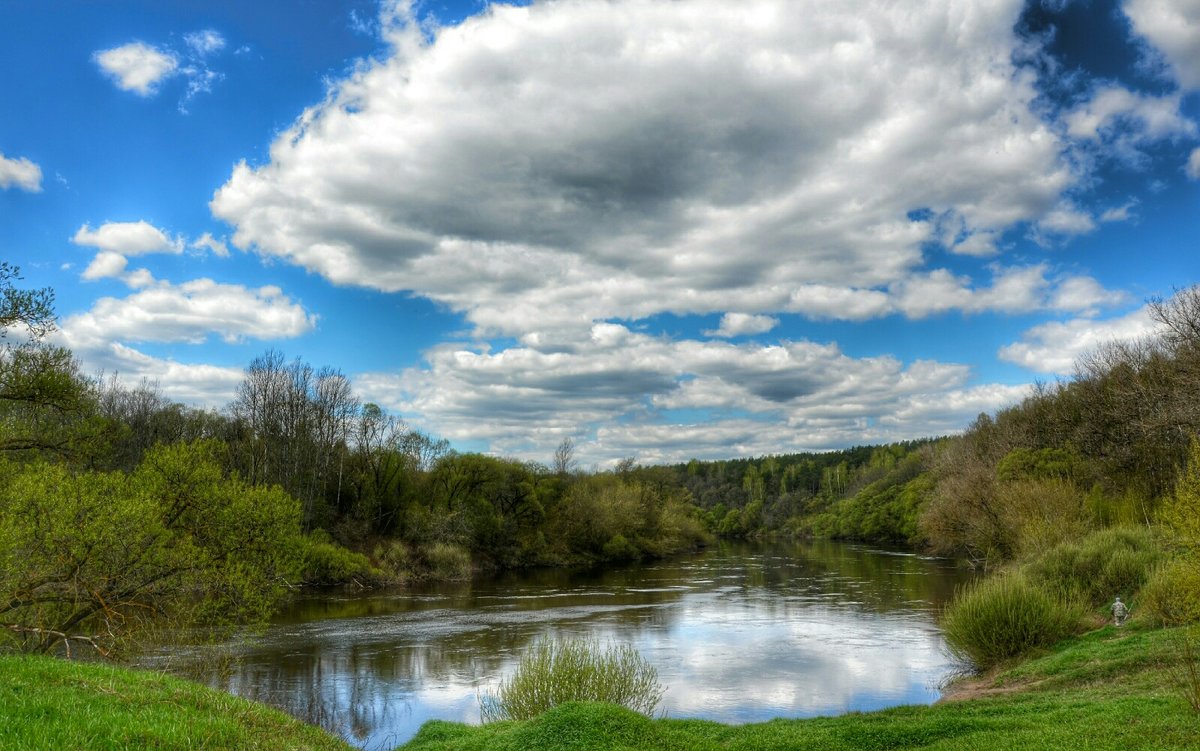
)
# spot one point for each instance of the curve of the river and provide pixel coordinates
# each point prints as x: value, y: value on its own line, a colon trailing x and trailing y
x: 738, y: 633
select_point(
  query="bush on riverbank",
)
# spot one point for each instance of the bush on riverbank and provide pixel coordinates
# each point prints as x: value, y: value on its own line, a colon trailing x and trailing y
x: 325, y: 563
x: 1105, y: 564
x: 1172, y: 596
x: 1006, y: 616
x: 557, y: 672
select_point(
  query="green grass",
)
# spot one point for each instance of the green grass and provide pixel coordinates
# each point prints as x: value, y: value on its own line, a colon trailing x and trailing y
x: 1109, y: 690
x: 52, y: 704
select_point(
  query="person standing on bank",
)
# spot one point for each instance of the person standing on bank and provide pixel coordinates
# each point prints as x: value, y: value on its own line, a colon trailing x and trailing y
x: 1120, y: 612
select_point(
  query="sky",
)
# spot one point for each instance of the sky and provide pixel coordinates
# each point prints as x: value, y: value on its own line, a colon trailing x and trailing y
x: 663, y: 230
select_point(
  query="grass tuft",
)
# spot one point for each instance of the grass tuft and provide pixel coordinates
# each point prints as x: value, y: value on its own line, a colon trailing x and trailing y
x: 556, y: 672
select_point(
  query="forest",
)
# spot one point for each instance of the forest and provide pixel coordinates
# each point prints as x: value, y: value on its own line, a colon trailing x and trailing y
x: 121, y: 511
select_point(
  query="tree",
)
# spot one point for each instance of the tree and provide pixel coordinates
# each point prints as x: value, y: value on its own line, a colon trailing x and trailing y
x: 43, y: 397
x: 31, y: 309
x: 564, y: 457
x: 93, y: 557
x: 295, y: 424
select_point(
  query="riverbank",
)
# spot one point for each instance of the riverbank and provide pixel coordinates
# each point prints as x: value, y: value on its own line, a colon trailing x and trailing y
x: 1108, y: 689
x: 48, y: 704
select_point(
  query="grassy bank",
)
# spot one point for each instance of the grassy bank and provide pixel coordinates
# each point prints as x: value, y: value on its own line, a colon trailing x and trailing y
x: 1109, y: 689
x: 50, y: 704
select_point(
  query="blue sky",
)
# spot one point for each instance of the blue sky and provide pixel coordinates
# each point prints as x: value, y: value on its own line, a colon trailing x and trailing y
x: 662, y: 229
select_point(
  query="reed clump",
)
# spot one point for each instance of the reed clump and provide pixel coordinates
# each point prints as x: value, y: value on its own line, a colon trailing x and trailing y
x: 1005, y: 616
x: 557, y: 671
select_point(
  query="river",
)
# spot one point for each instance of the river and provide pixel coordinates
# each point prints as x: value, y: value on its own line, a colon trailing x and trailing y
x: 738, y: 633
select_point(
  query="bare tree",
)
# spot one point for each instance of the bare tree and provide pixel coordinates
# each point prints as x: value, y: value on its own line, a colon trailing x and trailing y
x: 564, y: 457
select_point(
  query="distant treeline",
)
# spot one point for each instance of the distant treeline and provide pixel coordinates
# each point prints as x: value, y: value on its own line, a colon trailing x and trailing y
x: 855, y: 493
x: 344, y: 492
x: 1105, y: 448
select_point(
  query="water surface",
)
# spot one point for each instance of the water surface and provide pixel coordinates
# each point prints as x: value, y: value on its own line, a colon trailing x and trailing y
x: 739, y: 633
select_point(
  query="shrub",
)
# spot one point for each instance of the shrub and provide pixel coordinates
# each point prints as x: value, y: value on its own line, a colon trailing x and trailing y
x: 620, y: 549
x: 1004, y: 616
x: 448, y: 562
x: 1043, y: 513
x: 393, y: 556
x: 557, y: 672
x: 326, y: 563
x: 1172, y: 595
x: 1110, y: 562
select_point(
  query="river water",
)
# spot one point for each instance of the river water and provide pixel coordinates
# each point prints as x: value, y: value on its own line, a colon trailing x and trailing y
x: 738, y: 633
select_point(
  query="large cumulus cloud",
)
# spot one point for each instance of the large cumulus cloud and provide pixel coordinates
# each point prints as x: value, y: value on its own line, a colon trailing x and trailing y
x: 648, y: 156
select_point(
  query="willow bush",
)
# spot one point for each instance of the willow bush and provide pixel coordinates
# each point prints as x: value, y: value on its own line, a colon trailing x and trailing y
x: 555, y: 672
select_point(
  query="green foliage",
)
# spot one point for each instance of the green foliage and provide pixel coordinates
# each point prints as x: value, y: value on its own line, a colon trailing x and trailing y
x: 1181, y: 512
x: 620, y: 549
x: 556, y: 672
x: 448, y: 562
x: 89, y: 557
x: 1041, y: 513
x: 1187, y: 672
x: 47, y: 408
x: 886, y: 511
x: 325, y: 563
x: 394, y: 558
x: 1172, y: 594
x: 1005, y: 616
x: 1100, y: 566
x: 1039, y: 464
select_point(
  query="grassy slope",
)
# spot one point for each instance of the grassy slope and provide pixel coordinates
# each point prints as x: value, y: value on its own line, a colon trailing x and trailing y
x: 1106, y: 690
x: 46, y: 703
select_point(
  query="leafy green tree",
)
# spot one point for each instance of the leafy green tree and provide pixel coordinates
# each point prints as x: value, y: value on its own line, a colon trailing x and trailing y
x: 45, y: 403
x: 92, y: 558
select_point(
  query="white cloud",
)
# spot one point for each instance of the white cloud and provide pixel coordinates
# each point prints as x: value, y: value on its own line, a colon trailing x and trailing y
x: 743, y: 324
x: 1122, y: 213
x: 207, y: 242
x: 1115, y: 108
x: 195, y: 384
x: 1013, y: 290
x: 1173, y: 28
x: 1083, y: 295
x: 188, y: 312
x: 621, y: 387
x: 1054, y: 347
x: 542, y: 167
x: 1193, y: 165
x: 204, y: 42
x: 127, y: 238
x: 137, y: 67
x: 1065, y: 219
x: 20, y: 173
x: 106, y: 264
